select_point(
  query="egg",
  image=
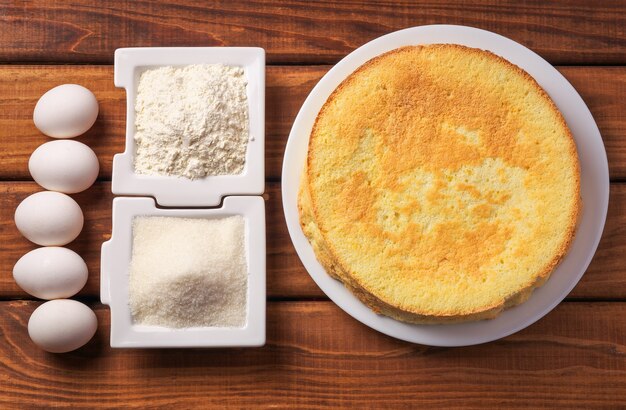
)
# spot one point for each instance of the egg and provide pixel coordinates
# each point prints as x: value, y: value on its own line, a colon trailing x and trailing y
x: 49, y: 218
x: 62, y: 325
x: 51, y: 273
x: 64, y: 166
x: 66, y: 111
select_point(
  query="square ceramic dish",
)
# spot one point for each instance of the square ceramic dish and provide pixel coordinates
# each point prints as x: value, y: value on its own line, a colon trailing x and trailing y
x: 130, y: 63
x: 115, y: 263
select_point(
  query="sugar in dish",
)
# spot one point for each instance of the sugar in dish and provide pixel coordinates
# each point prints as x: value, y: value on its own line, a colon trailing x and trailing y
x: 188, y: 272
x: 191, y: 121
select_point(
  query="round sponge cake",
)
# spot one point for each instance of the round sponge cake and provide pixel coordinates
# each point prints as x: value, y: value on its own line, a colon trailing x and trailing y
x: 441, y: 185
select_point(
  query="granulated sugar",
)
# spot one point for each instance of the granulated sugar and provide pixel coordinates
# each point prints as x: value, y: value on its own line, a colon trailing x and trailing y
x: 189, y: 272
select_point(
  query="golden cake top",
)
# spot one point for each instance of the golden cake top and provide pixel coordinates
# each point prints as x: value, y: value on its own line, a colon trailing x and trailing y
x: 443, y: 180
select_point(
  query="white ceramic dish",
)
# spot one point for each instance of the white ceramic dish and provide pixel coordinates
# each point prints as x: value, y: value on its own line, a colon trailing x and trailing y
x: 594, y: 184
x: 175, y: 191
x: 116, y: 257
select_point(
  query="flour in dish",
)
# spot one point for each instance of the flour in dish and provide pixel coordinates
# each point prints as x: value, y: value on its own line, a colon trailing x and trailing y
x: 191, y: 121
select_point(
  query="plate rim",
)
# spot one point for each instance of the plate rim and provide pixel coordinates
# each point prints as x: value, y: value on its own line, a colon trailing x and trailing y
x: 520, y: 55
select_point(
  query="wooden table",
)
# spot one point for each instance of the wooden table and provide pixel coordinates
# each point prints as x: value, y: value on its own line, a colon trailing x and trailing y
x: 316, y: 355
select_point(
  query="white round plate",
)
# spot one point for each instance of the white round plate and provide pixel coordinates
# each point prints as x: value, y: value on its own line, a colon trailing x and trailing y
x: 594, y: 188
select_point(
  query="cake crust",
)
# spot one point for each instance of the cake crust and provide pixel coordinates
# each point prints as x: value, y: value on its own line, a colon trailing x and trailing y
x: 441, y: 185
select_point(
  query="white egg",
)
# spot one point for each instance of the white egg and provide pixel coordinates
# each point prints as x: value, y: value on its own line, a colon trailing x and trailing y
x: 66, y: 111
x: 49, y: 218
x: 64, y: 166
x: 51, y: 273
x: 62, y: 325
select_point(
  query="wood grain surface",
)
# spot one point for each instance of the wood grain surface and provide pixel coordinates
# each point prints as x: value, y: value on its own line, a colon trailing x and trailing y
x: 316, y: 355
x: 602, y: 88
x: 573, y: 358
x: 286, y: 277
x: 565, y: 32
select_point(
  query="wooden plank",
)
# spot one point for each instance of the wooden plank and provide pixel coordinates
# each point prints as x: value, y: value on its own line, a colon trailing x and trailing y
x: 607, y: 110
x: 565, y: 32
x: 286, y: 277
x: 318, y: 356
x: 21, y: 87
x: 287, y: 87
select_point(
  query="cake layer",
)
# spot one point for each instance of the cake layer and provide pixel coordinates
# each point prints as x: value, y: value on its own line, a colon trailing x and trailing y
x: 442, y: 184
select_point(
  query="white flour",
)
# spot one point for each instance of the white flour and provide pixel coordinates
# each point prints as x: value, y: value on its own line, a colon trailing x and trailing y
x: 191, y: 121
x: 189, y: 272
